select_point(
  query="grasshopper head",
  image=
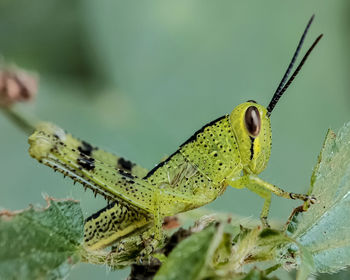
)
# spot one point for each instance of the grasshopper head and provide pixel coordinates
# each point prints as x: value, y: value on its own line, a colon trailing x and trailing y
x: 251, y: 121
x: 251, y: 125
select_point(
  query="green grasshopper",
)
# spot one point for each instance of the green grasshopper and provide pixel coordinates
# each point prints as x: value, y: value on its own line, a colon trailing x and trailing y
x: 229, y: 151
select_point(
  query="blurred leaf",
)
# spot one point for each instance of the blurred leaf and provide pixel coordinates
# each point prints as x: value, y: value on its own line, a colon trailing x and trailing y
x: 40, y: 243
x: 341, y: 275
x: 263, y: 245
x: 324, y: 229
x: 213, y: 254
x: 307, y: 265
x: 189, y: 259
x: 255, y: 274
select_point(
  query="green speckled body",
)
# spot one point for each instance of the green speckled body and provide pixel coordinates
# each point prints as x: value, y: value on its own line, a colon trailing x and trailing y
x: 216, y: 156
x: 199, y: 169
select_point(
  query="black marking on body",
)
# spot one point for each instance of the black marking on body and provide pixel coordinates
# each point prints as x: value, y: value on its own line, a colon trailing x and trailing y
x: 125, y: 164
x: 87, y: 163
x: 128, y: 175
x: 194, y: 136
x: 191, y: 139
x: 98, y: 213
x: 252, y: 101
x: 159, y: 165
x: 251, y: 147
x: 85, y: 148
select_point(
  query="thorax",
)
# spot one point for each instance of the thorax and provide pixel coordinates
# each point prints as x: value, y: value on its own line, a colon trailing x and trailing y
x: 199, y: 169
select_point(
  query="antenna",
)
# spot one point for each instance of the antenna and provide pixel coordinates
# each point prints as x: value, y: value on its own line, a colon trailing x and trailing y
x: 283, y: 85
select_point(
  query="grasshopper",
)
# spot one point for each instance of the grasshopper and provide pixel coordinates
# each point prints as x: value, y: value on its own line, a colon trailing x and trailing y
x: 229, y: 151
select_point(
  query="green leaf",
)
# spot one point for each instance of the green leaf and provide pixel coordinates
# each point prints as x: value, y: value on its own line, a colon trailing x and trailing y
x: 324, y: 229
x: 341, y: 275
x: 189, y: 259
x: 256, y: 274
x: 307, y: 265
x: 40, y: 243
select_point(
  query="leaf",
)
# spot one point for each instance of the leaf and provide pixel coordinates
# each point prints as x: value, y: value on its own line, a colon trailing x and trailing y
x: 40, y: 243
x: 341, y: 275
x: 307, y: 265
x: 264, y: 245
x: 189, y: 259
x: 256, y: 274
x: 324, y: 229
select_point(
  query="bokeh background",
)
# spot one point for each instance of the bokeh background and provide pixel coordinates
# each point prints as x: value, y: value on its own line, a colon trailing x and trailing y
x: 140, y: 77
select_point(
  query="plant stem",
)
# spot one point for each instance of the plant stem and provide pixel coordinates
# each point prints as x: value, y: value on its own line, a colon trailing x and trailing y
x: 26, y: 124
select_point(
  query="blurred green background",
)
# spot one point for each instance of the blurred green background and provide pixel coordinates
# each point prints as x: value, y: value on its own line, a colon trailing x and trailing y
x: 140, y: 77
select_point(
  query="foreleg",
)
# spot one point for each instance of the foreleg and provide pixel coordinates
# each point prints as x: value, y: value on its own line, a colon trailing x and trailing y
x: 264, y: 189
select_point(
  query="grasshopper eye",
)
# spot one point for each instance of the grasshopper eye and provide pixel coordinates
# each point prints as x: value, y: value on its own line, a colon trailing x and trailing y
x: 252, y: 121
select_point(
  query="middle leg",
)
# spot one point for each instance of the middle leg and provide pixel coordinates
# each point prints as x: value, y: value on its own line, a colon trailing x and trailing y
x: 266, y: 195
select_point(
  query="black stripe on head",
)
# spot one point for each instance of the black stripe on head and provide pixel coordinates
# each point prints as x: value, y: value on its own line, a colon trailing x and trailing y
x: 252, y: 101
x: 251, y: 147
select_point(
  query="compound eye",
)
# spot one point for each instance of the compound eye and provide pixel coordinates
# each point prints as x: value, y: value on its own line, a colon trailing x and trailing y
x: 252, y: 121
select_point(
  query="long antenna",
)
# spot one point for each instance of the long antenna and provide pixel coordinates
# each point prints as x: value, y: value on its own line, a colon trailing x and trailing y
x: 296, y: 70
x: 283, y: 85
